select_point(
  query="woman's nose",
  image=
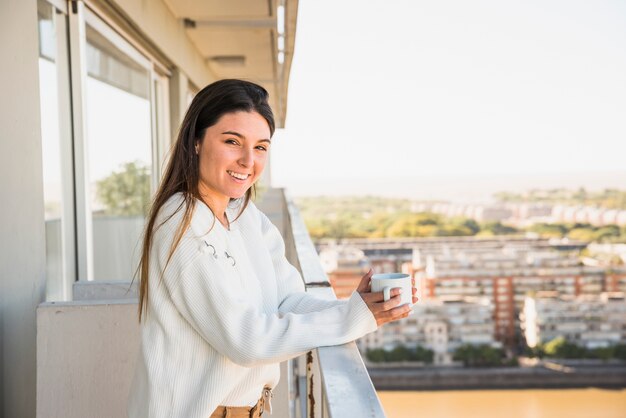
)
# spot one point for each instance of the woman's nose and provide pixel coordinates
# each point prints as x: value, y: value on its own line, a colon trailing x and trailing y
x: 246, y: 158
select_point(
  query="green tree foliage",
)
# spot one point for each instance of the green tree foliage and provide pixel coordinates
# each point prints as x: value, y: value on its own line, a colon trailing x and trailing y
x: 401, y: 224
x: 414, y: 225
x: 378, y: 224
x: 479, y: 356
x: 376, y: 355
x: 560, y: 348
x: 619, y: 352
x: 602, y: 353
x: 125, y: 192
x: 373, y: 217
x: 497, y: 228
x: 581, y: 232
x: 401, y: 353
x: 549, y: 230
x: 424, y: 355
x: 319, y: 228
x: 607, y: 233
x: 471, y: 225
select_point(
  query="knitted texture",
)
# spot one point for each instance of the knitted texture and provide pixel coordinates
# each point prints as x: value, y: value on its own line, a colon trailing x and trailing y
x: 225, y: 312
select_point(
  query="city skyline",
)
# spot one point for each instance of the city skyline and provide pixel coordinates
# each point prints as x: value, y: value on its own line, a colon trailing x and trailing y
x: 469, y: 188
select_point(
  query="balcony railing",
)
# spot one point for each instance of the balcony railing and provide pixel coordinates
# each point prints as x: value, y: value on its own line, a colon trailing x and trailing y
x: 332, y: 381
x: 86, y: 349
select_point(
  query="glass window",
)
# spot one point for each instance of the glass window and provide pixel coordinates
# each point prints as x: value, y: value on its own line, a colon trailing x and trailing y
x: 56, y: 146
x: 120, y: 152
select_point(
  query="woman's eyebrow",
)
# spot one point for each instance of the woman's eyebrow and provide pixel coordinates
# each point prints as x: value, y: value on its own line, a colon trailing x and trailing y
x: 237, y: 134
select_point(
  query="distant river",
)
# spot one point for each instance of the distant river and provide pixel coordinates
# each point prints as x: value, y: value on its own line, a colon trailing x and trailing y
x: 531, y: 403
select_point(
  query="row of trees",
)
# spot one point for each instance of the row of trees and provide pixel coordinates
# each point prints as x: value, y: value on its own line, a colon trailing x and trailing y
x: 402, y: 224
x: 482, y: 356
x: 469, y: 355
x: 562, y: 349
x: 406, y: 224
x: 580, y: 231
x: 487, y: 356
x: 401, y: 353
x: 355, y: 218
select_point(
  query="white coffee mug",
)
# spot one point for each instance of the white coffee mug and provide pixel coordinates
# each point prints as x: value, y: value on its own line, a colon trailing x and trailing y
x: 386, y: 281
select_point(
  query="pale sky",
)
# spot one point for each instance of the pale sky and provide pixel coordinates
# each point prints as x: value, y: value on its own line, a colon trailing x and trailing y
x: 410, y: 89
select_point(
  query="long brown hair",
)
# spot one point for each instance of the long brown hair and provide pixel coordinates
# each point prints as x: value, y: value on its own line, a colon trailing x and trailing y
x: 182, y: 172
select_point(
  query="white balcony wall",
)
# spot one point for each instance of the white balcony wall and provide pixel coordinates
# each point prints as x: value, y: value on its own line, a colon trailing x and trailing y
x: 86, y: 354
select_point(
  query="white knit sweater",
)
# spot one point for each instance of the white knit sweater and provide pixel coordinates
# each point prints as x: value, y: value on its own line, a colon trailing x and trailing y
x: 228, y: 309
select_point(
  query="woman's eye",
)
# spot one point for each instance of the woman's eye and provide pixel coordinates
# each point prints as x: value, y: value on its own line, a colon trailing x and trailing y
x: 231, y: 141
x: 262, y: 148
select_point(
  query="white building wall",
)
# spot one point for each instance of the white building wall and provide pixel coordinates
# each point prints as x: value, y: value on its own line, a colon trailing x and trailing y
x: 22, y: 232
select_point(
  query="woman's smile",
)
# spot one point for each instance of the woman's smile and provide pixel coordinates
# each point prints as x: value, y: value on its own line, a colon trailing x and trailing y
x: 238, y: 176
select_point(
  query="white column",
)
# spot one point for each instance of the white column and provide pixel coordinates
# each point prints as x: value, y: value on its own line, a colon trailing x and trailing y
x: 179, y: 87
x: 22, y: 228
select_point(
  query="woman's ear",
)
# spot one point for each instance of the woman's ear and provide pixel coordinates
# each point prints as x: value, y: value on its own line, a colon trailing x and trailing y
x: 197, y: 147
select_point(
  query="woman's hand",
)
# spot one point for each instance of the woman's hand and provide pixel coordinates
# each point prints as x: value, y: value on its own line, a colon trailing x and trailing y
x: 384, y: 311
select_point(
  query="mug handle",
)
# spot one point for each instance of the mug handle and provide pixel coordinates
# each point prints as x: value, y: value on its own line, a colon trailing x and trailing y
x: 387, y: 293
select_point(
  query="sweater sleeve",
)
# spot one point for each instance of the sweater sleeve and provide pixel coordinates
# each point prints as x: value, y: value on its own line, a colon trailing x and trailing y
x: 291, y: 291
x: 250, y: 337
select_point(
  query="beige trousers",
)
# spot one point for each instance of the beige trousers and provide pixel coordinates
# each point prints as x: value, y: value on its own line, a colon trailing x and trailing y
x: 242, y: 411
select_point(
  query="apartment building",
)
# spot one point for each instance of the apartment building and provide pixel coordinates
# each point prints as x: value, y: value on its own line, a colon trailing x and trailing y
x: 587, y: 214
x: 590, y: 321
x: 502, y: 269
x: 441, y: 325
x: 506, y: 280
x: 344, y: 265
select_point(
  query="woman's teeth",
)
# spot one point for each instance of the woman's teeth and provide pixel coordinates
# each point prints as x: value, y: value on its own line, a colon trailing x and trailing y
x: 238, y: 176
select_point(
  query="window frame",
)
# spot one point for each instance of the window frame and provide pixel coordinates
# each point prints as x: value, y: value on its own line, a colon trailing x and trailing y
x: 78, y: 255
x: 63, y: 289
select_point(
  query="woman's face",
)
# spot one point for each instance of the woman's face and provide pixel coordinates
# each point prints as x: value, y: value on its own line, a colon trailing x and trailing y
x: 232, y: 156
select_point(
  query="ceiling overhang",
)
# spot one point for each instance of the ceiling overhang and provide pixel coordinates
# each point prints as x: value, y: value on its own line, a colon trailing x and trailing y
x: 247, y: 39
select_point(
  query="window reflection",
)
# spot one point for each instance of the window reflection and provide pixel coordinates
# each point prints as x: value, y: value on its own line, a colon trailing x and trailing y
x: 120, y: 155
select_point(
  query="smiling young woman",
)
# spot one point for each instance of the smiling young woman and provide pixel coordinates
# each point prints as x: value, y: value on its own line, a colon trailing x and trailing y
x: 219, y: 304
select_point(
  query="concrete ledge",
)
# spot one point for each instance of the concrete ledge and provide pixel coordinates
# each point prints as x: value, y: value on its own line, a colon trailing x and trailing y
x: 100, y: 290
x: 348, y: 389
